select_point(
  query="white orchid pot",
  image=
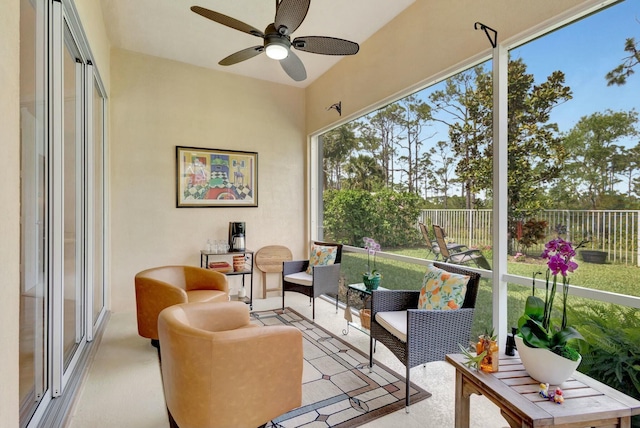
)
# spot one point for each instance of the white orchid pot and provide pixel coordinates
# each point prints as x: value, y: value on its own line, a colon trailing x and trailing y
x: 545, y: 366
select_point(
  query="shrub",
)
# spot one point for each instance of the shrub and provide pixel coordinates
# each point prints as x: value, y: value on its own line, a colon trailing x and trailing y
x: 611, y: 350
x: 388, y: 217
x: 533, y: 231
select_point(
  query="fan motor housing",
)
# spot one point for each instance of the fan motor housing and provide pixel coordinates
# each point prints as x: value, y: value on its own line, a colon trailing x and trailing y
x: 273, y: 37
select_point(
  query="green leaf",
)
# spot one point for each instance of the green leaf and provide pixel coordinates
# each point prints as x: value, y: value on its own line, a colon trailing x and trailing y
x: 534, y: 308
x: 534, y: 335
x: 561, y: 337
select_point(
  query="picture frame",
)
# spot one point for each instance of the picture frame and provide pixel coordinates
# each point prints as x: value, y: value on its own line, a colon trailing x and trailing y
x: 214, y: 178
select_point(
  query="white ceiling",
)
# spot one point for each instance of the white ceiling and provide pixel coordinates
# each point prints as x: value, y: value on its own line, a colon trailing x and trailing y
x: 169, y: 29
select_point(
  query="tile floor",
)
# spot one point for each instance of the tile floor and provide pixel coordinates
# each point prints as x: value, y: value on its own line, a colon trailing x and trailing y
x: 123, y: 387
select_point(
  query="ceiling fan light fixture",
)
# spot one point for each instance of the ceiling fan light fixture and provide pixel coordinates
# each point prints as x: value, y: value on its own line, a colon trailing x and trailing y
x: 277, y: 51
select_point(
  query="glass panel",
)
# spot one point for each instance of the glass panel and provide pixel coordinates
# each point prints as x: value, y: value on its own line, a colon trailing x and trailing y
x: 33, y: 291
x: 591, y: 135
x: 72, y: 201
x: 98, y: 194
x: 422, y: 159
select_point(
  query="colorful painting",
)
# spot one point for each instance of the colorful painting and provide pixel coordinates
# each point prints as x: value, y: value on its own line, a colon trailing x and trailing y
x: 216, y: 178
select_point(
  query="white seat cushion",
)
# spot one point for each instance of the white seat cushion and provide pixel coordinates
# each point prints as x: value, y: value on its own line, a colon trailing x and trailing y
x: 300, y: 278
x: 394, y: 322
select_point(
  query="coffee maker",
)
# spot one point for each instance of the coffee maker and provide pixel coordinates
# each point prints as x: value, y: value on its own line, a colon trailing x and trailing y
x: 236, y: 236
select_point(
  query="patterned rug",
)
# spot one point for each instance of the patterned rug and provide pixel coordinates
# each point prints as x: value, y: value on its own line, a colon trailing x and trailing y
x: 337, y: 388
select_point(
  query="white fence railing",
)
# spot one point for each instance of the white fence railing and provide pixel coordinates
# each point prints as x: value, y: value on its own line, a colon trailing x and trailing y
x: 614, y: 231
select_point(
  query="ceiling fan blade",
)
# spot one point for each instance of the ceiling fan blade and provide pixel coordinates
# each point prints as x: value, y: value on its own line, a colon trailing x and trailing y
x: 242, y: 55
x: 325, y: 45
x: 294, y: 67
x: 227, y: 20
x: 290, y: 15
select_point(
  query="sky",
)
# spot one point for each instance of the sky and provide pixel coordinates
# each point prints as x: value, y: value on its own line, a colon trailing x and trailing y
x: 586, y: 51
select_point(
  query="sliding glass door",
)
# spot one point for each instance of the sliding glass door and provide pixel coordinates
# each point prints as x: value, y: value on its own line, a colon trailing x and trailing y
x: 73, y: 225
x: 62, y: 205
x: 34, y: 182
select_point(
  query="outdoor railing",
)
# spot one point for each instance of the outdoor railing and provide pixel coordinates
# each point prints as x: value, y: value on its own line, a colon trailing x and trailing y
x: 614, y: 231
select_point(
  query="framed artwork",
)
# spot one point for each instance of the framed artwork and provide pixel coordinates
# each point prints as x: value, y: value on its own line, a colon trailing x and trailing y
x: 216, y: 178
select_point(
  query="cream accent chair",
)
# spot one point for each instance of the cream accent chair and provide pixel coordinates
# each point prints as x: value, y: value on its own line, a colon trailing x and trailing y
x: 218, y: 370
x: 160, y: 287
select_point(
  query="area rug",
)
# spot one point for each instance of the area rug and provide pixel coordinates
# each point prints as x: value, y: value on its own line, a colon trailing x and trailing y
x: 337, y: 388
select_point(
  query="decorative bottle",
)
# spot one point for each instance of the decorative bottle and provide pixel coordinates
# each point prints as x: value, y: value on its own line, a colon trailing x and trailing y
x: 510, y: 348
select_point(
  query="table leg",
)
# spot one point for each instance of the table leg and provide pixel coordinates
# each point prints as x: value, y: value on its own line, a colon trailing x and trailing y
x: 462, y: 403
x: 347, y: 314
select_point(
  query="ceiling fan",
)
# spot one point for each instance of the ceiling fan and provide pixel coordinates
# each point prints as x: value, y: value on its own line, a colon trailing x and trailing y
x: 277, y: 38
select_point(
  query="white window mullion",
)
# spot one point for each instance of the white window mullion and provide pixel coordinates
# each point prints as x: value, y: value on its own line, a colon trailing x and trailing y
x: 90, y: 202
x: 80, y: 200
x: 57, y: 199
x: 315, y: 192
x: 500, y: 184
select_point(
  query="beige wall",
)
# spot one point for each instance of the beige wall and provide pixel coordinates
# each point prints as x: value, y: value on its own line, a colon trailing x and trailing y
x: 427, y: 38
x: 94, y: 27
x: 9, y: 210
x: 158, y: 104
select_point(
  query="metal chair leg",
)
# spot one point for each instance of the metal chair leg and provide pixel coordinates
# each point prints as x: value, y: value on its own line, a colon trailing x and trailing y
x: 406, y: 398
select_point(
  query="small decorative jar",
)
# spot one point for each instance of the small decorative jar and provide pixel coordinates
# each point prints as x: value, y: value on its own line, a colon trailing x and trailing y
x: 490, y: 361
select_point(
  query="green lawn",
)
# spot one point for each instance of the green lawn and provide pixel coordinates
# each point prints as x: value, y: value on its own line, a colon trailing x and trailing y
x: 612, y: 355
x: 400, y: 275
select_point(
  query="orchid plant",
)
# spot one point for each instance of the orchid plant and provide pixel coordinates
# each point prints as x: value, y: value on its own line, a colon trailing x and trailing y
x: 372, y: 248
x: 535, y: 325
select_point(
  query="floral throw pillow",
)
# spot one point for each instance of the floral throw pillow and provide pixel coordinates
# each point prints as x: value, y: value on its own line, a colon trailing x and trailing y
x: 321, y: 255
x: 442, y: 290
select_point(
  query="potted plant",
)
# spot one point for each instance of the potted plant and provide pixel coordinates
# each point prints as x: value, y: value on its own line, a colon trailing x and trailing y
x: 594, y: 256
x: 371, y: 277
x: 544, y: 348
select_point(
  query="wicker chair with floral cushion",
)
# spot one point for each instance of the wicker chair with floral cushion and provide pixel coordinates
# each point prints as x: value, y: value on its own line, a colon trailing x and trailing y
x: 316, y: 276
x: 418, y: 336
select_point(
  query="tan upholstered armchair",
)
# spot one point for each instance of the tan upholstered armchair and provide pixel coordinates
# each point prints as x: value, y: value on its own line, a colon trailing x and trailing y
x: 218, y: 370
x: 160, y: 287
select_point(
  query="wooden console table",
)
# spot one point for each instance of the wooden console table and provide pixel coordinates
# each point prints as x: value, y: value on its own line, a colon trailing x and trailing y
x: 588, y: 403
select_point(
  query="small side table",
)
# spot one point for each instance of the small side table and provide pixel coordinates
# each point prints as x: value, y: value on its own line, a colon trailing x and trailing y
x: 365, y: 294
x: 269, y: 259
x: 587, y: 402
x: 248, y: 269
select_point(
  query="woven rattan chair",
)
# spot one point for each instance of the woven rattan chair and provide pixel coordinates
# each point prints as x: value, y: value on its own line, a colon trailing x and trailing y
x: 460, y: 257
x: 430, y: 334
x: 323, y: 280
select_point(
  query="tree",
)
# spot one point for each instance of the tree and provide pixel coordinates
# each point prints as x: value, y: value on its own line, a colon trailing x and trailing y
x: 535, y: 151
x: 380, y: 135
x: 628, y: 164
x: 469, y: 126
x: 415, y: 113
x: 364, y: 173
x: 595, y: 162
x: 618, y: 76
x: 337, y: 144
x: 441, y: 177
